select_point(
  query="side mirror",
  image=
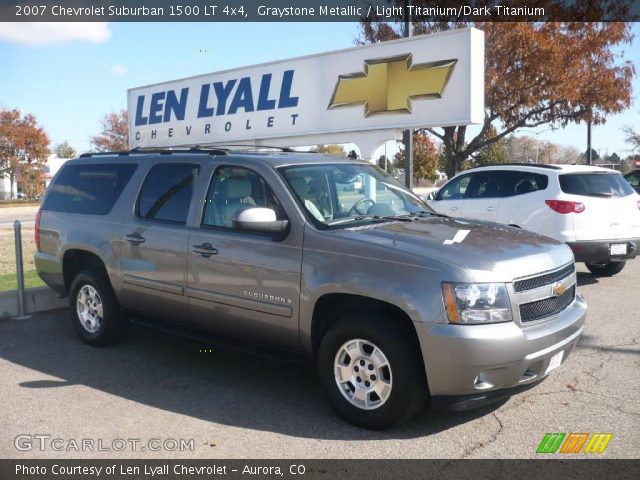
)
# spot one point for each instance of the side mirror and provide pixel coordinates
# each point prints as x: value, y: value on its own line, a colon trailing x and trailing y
x: 257, y: 219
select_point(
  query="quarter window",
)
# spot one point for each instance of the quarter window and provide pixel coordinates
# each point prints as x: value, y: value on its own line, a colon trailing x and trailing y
x: 90, y: 189
x: 166, y: 193
x: 526, y: 182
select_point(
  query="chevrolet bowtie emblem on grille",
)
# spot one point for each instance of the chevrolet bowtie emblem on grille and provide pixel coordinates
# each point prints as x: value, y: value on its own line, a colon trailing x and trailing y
x: 558, y: 289
x: 389, y: 85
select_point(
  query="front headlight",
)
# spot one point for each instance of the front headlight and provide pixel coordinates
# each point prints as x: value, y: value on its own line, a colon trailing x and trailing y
x: 473, y: 303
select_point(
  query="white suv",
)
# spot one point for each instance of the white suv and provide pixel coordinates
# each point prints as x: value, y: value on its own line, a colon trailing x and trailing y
x: 594, y: 210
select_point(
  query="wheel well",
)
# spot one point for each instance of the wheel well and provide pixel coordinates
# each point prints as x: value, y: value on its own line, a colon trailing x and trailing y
x: 331, y: 307
x: 74, y: 261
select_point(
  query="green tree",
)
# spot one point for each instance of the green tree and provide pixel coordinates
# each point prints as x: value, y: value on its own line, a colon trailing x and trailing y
x: 492, y: 153
x: 386, y: 164
x: 613, y: 158
x: 594, y: 156
x: 65, y: 150
x: 536, y: 73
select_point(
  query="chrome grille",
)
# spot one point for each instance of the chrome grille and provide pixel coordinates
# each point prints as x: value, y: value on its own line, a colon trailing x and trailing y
x: 547, y: 307
x: 542, y: 280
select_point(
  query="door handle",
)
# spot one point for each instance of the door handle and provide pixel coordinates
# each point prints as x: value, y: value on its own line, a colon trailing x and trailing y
x: 490, y: 209
x: 135, y: 238
x: 453, y: 209
x: 206, y: 250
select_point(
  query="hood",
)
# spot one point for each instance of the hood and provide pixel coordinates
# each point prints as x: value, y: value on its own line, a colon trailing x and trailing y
x: 488, y: 251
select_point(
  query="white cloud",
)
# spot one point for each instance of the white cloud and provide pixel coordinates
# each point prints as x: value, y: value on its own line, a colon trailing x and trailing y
x: 31, y: 33
x: 118, y: 69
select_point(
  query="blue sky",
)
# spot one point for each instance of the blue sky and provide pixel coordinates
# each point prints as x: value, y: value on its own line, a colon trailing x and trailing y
x: 71, y: 75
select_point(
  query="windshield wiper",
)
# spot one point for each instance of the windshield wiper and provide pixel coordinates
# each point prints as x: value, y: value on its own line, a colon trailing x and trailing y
x: 375, y: 218
x: 422, y: 213
x: 402, y: 218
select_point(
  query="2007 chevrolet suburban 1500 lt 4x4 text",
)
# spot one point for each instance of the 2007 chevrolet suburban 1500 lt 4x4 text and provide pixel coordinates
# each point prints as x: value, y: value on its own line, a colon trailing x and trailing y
x: 394, y: 303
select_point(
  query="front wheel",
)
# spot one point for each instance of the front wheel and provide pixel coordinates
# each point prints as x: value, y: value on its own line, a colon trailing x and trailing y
x: 371, y: 370
x: 605, y: 269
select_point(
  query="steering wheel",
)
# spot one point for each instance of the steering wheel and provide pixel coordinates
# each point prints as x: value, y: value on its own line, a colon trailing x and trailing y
x: 354, y: 208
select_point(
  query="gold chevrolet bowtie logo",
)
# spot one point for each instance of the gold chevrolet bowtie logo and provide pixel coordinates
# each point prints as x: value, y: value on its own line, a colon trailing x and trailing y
x: 558, y: 289
x: 389, y: 85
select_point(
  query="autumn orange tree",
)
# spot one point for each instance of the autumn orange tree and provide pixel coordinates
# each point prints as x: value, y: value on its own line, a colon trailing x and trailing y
x: 425, y: 157
x: 535, y: 73
x: 114, y: 136
x: 330, y: 149
x: 24, y: 147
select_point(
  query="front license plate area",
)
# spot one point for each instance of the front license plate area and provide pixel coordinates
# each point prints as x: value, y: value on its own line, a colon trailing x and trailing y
x: 555, y: 361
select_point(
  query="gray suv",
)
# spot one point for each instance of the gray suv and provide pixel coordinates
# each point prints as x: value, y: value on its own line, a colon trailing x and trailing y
x: 395, y: 304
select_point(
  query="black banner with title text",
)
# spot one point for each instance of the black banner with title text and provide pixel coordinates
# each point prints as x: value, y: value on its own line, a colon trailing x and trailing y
x: 318, y: 10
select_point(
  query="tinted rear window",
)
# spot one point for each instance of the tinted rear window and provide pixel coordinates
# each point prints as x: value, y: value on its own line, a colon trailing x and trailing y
x: 595, y: 184
x: 88, y: 189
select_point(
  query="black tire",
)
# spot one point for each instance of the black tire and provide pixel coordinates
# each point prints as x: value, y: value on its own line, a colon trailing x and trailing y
x: 112, y: 324
x: 409, y: 392
x: 605, y: 269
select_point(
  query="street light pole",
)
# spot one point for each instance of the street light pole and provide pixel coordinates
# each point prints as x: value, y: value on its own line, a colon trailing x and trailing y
x: 537, y: 134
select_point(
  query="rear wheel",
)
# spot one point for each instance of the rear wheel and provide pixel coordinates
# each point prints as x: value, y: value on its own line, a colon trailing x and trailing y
x: 371, y: 370
x: 605, y: 269
x: 95, y: 311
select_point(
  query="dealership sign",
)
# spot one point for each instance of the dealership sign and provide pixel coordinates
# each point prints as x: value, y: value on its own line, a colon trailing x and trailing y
x: 425, y: 81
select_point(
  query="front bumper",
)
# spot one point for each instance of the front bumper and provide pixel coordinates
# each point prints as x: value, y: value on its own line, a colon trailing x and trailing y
x: 600, y: 250
x: 469, y: 366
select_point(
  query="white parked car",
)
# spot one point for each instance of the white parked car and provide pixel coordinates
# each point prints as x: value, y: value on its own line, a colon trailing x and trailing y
x: 594, y: 210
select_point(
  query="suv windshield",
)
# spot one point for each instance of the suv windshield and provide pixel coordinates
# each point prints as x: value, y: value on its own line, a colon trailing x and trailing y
x: 595, y: 184
x: 340, y: 194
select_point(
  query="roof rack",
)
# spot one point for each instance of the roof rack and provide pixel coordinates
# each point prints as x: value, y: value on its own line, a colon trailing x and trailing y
x: 99, y: 154
x: 249, y: 147
x: 161, y: 151
x: 521, y: 164
x: 205, y: 149
x: 169, y: 150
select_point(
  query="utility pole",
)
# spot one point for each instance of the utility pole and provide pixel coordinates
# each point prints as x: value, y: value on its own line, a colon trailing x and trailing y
x: 407, y: 135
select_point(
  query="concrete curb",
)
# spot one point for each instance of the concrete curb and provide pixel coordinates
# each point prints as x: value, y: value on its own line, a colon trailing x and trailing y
x: 38, y: 299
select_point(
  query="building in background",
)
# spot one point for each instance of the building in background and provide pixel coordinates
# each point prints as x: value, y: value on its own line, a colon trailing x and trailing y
x: 5, y: 188
x: 54, y: 163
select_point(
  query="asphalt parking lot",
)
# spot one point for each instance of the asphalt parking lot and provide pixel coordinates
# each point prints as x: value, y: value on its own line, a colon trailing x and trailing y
x: 157, y: 386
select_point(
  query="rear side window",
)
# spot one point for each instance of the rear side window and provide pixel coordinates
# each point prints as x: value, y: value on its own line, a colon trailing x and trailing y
x: 489, y: 184
x: 520, y: 183
x: 88, y: 189
x: 595, y: 184
x: 166, y: 193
